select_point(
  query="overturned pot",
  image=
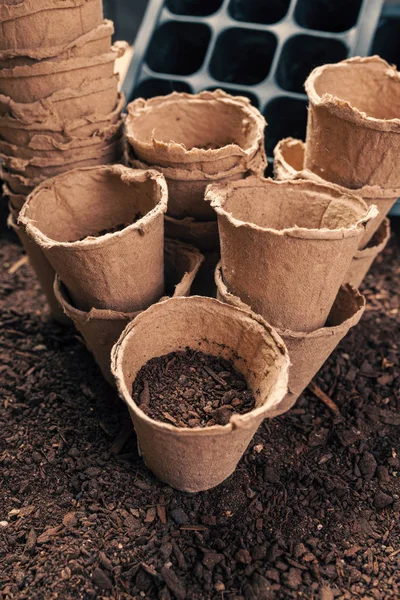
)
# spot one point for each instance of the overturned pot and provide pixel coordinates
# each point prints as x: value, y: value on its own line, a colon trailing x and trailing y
x: 200, y: 458
x: 363, y: 259
x: 101, y: 328
x: 286, y: 246
x: 289, y: 164
x: 308, y: 351
x: 43, y: 270
x: 353, y: 131
x: 165, y: 131
x: 31, y: 25
x: 102, y: 229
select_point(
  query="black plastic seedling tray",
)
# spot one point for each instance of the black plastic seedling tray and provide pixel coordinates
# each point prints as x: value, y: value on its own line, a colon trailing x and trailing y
x: 263, y: 49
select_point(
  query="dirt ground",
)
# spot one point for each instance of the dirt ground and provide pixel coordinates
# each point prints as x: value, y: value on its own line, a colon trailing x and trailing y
x: 311, y: 512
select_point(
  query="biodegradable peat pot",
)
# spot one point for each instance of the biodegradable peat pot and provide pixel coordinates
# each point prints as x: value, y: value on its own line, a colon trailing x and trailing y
x: 39, y: 169
x: 200, y: 458
x: 308, y: 350
x: 95, y: 41
x: 87, y: 147
x: 30, y: 83
x: 36, y: 24
x: 363, y: 259
x: 66, y: 216
x: 353, y: 131
x: 287, y: 245
x: 101, y: 328
x: 289, y: 163
x: 68, y: 109
x: 43, y: 269
x: 201, y: 234
x: 186, y: 187
x: 209, y: 132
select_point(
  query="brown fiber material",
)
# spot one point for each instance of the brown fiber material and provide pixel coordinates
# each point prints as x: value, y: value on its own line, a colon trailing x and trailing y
x: 71, y: 149
x: 287, y: 245
x: 209, y: 132
x: 96, y: 41
x: 200, y: 458
x: 101, y: 328
x: 363, y: 259
x: 122, y: 271
x: 68, y: 109
x: 28, y: 84
x: 15, y: 201
x: 44, y: 271
x: 353, y: 132
x: 186, y: 188
x: 202, y: 234
x: 289, y: 163
x: 308, y: 350
x: 37, y: 24
x: 39, y: 169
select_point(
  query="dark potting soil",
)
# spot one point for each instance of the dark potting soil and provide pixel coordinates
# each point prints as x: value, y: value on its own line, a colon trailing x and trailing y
x: 119, y: 227
x: 191, y: 389
x: 311, y: 512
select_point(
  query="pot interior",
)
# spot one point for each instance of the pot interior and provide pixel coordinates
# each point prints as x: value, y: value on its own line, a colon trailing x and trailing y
x: 365, y: 85
x: 90, y: 202
x: 209, y: 326
x: 284, y: 205
x: 202, y: 124
x: 293, y: 152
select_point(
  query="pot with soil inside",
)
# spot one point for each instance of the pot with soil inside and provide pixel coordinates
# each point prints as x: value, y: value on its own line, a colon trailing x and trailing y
x: 198, y: 377
x: 164, y: 133
x: 289, y: 164
x: 286, y: 246
x: 101, y: 328
x: 102, y: 229
x: 308, y: 351
x: 353, y: 131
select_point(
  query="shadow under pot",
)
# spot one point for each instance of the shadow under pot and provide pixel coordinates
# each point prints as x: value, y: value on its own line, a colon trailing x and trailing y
x: 210, y: 132
x: 308, y: 351
x: 199, y: 458
x: 353, y: 131
x: 37, y: 24
x: 102, y: 230
x: 289, y: 164
x: 101, y: 328
x: 44, y: 271
x: 29, y: 83
x: 286, y: 246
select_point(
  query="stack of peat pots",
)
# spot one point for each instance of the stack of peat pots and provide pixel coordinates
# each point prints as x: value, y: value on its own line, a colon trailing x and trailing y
x: 195, y: 140
x: 285, y: 249
x: 353, y: 140
x: 59, y: 103
x: 102, y: 230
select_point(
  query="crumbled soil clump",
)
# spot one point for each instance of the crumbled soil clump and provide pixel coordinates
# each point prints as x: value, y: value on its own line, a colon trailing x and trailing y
x: 311, y: 512
x: 191, y: 389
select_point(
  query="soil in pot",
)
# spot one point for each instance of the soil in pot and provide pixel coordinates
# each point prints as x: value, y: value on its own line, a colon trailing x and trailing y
x: 191, y: 389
